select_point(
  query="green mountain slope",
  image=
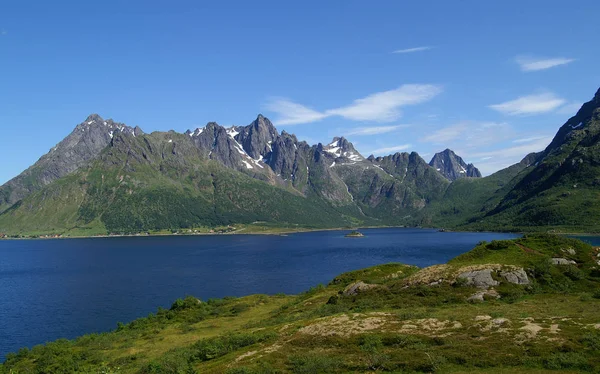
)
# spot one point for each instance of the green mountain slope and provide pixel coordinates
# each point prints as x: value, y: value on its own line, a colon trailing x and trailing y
x: 467, y: 200
x: 563, y: 190
x: 161, y: 181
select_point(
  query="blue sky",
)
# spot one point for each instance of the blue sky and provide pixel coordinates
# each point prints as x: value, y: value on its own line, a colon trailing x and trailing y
x: 491, y: 80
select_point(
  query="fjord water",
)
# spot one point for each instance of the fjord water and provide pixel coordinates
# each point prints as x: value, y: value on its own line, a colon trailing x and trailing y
x: 54, y: 289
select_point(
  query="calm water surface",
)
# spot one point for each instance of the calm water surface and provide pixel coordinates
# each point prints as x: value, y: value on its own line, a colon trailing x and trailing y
x: 52, y: 289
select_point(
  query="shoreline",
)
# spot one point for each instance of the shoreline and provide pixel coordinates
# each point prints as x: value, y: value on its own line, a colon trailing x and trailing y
x: 287, y: 231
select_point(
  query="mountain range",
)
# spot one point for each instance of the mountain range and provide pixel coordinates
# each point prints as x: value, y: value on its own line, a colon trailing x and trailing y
x: 107, y: 177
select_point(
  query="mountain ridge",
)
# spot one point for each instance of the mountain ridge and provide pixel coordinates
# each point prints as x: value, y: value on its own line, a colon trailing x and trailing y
x: 398, y: 189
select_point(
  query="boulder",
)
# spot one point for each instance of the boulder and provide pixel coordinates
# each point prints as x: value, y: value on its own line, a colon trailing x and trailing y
x: 480, y: 296
x: 479, y: 278
x: 562, y: 261
x: 516, y: 276
x: 357, y: 287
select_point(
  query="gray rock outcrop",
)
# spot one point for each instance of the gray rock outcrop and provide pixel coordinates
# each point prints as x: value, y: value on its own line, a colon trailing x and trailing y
x: 452, y: 166
x: 515, y: 276
x: 479, y: 278
x: 480, y: 296
x: 358, y: 287
x: 561, y: 261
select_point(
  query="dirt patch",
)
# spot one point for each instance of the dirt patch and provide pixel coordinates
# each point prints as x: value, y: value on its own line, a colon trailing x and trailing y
x: 487, y: 324
x: 530, y: 330
x: 529, y: 250
x: 429, y: 326
x: 346, y: 325
x: 245, y: 355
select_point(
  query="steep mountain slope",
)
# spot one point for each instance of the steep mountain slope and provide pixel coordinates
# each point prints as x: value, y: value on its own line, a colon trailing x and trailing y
x: 161, y: 181
x: 452, y: 166
x: 469, y: 199
x: 112, y: 178
x: 84, y: 144
x: 563, y: 189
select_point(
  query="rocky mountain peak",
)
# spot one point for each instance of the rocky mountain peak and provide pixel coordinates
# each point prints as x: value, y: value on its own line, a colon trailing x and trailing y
x: 452, y: 166
x: 580, y: 121
x: 93, y: 118
x: 257, y: 137
x: 341, y: 147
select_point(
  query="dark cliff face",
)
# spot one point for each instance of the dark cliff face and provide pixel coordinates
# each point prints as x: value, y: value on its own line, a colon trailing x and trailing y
x: 256, y: 138
x: 84, y: 144
x: 452, y: 166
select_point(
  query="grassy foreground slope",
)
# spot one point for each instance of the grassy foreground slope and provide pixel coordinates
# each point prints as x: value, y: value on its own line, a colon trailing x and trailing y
x: 388, y: 318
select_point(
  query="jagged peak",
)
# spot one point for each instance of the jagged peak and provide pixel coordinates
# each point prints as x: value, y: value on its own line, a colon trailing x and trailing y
x: 452, y: 166
x: 94, y: 117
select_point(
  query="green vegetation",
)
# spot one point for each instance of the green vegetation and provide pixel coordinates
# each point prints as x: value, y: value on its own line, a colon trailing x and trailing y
x: 406, y: 320
x: 354, y: 234
x: 143, y: 186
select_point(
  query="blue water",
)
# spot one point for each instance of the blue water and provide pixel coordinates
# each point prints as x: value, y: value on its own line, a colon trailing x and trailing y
x: 592, y: 240
x: 52, y: 289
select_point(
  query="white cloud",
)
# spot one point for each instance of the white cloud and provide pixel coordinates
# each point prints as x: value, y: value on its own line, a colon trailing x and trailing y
x: 528, y: 63
x: 445, y: 134
x: 570, y: 109
x: 502, y: 158
x: 292, y: 113
x: 532, y: 104
x: 530, y: 139
x: 470, y: 134
x: 3, y: 32
x: 411, y: 50
x: 387, y: 150
x: 378, y: 107
x: 385, y: 106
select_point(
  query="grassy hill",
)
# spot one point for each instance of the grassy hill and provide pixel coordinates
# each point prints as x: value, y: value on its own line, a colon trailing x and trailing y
x: 388, y: 318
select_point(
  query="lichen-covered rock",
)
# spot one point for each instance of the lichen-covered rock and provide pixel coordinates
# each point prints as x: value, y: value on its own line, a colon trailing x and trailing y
x: 479, y: 278
x: 562, y: 261
x: 516, y: 276
x: 358, y: 287
x: 480, y: 296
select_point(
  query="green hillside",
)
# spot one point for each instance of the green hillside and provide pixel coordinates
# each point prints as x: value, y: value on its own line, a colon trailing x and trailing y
x: 532, y: 315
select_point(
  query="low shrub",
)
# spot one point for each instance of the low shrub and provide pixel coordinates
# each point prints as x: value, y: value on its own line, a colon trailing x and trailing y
x: 314, y: 364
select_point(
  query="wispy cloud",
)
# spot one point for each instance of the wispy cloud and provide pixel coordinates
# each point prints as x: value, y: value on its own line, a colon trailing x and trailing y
x: 470, y: 134
x: 570, y: 109
x: 378, y: 107
x: 292, y: 113
x: 445, y: 134
x: 501, y: 158
x: 3, y: 32
x: 530, y: 139
x: 411, y: 50
x: 388, y: 150
x: 385, y: 106
x: 375, y: 130
x: 532, y: 104
x: 528, y: 63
